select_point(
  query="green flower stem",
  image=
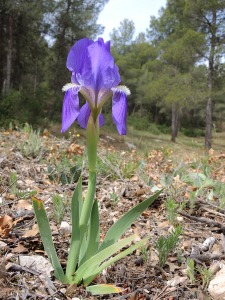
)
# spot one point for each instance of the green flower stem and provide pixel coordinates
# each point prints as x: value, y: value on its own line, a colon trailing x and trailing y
x: 75, y: 243
x: 81, y: 212
x: 92, y: 143
x: 88, y: 203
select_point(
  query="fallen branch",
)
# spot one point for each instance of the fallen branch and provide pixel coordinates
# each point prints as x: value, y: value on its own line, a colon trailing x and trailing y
x: 202, y: 220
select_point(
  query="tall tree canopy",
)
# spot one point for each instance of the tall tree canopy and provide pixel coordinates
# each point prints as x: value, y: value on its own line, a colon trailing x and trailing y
x: 175, y: 70
x: 35, y: 40
x: 208, y: 18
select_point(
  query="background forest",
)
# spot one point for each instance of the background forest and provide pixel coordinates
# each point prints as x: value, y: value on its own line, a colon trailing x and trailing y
x: 175, y: 70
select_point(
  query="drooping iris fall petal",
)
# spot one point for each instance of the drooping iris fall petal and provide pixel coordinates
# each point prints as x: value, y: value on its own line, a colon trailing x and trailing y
x: 70, y: 109
x: 84, y: 116
x: 119, y: 111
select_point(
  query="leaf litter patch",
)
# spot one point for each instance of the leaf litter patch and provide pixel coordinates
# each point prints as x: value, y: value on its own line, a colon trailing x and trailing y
x: 192, y: 197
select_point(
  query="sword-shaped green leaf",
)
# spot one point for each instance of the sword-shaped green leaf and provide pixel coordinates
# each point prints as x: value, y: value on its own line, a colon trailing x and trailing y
x: 104, y: 289
x: 88, y: 278
x: 118, y: 229
x: 76, y: 241
x: 90, y: 247
x: 46, y: 237
x: 89, y: 267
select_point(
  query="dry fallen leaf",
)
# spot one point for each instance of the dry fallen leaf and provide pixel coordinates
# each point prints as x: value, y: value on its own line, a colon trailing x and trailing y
x: 75, y: 149
x: 172, y: 266
x: 23, y: 204
x: 6, y: 223
x: 176, y: 280
x: 32, y: 232
x: 20, y: 249
x: 164, y: 224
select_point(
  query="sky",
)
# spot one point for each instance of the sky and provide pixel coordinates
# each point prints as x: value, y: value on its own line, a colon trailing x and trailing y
x: 139, y: 11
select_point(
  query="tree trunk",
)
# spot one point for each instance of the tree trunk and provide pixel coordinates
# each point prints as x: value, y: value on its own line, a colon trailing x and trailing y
x: 208, y: 129
x: 2, y: 51
x: 9, y: 56
x: 175, y: 122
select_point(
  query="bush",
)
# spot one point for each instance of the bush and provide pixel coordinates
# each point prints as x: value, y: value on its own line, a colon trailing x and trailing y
x: 142, y: 123
x: 10, y: 106
x: 193, y: 132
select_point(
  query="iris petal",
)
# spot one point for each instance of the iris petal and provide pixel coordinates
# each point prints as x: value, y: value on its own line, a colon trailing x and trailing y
x: 77, y: 57
x: 96, y: 76
x: 119, y: 111
x: 101, y: 120
x: 105, y: 73
x: 84, y: 115
x: 70, y: 109
x: 92, y: 64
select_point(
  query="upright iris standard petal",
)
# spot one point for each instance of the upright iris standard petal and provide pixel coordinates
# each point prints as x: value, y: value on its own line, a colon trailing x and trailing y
x: 105, y: 73
x: 70, y: 109
x: 119, y: 111
x: 92, y: 65
x: 77, y: 58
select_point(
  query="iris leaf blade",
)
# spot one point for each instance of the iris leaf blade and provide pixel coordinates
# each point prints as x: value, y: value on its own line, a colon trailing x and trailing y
x: 87, y: 280
x: 46, y: 236
x: 89, y: 267
x: 75, y: 244
x: 92, y: 243
x: 104, y: 289
x: 119, y: 228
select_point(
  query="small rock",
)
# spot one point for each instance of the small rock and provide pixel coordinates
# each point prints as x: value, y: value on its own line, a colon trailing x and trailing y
x: 37, y: 263
x: 2, y: 245
x: 65, y: 228
x: 139, y: 262
x: 217, y: 285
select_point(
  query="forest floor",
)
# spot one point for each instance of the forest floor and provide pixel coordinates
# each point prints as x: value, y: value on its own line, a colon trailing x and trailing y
x: 129, y: 170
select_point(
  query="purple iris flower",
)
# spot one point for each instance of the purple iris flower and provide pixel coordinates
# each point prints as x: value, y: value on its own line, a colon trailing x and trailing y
x: 96, y: 77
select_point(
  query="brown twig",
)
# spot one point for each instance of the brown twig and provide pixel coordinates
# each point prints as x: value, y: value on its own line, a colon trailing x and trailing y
x: 202, y: 220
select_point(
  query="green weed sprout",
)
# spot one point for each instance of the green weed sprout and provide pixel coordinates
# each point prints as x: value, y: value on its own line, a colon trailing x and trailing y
x: 206, y: 275
x: 13, y: 183
x: 59, y: 208
x: 96, y: 77
x: 30, y: 146
x: 191, y: 269
x: 171, y: 207
x: 164, y: 245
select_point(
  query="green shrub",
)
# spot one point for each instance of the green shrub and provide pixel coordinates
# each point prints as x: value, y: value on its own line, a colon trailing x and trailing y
x: 142, y: 123
x: 193, y: 132
x: 31, y: 143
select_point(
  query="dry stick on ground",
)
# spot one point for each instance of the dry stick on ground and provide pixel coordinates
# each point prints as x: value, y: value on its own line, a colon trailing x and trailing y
x: 222, y: 211
x: 203, y: 220
x: 212, y: 211
x: 223, y: 241
x: 207, y: 257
